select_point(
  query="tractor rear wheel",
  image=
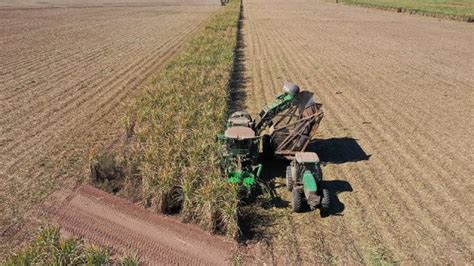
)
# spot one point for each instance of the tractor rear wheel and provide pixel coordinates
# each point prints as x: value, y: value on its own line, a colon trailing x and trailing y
x: 297, y: 202
x: 325, y: 200
x: 289, y: 179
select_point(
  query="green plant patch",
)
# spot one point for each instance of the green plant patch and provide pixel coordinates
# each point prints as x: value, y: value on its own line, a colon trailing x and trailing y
x: 49, y: 249
x: 460, y: 9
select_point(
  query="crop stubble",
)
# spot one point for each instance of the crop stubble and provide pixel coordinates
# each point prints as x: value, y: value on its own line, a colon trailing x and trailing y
x: 402, y: 87
x: 64, y: 76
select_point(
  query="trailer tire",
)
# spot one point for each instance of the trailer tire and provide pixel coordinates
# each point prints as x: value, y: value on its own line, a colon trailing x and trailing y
x: 325, y: 200
x: 289, y: 179
x: 297, y: 202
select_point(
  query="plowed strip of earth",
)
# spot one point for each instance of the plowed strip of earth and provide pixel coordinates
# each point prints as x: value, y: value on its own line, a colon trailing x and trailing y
x: 111, y: 221
x: 65, y: 74
x: 397, y: 91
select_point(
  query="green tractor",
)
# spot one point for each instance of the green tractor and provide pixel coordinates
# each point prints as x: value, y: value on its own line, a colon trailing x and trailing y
x: 241, y: 152
x: 304, y: 179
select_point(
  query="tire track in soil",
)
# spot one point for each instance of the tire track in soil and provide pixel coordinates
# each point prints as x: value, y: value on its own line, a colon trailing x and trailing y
x: 395, y: 207
x: 111, y: 221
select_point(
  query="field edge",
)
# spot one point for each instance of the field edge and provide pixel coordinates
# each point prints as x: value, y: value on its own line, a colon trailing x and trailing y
x: 411, y: 11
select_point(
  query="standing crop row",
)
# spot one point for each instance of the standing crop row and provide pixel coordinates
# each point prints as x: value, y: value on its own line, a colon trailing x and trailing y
x: 175, y: 123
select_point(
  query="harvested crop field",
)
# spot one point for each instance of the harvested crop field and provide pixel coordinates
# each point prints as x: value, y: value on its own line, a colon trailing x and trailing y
x: 67, y: 68
x: 397, y: 91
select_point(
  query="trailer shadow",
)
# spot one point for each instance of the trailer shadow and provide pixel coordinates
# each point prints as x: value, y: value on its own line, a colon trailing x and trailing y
x: 338, y: 150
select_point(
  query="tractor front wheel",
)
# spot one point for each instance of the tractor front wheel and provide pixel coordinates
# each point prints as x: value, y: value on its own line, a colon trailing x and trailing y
x: 289, y: 179
x: 297, y: 202
x: 325, y: 200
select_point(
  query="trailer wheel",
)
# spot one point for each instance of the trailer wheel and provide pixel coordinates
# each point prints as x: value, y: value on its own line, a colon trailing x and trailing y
x: 325, y: 200
x: 289, y: 179
x: 297, y: 202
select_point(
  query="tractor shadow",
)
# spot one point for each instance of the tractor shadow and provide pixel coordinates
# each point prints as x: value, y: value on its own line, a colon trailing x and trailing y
x: 338, y: 150
x: 273, y: 169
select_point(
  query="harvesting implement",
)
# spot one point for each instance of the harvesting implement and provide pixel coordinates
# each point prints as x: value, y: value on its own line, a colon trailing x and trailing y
x: 283, y: 129
x: 241, y: 151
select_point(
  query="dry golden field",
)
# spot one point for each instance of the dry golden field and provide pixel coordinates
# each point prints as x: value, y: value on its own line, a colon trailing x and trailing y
x: 397, y: 91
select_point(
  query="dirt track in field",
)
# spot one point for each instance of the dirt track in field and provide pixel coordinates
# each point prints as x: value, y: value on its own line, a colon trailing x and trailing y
x: 65, y: 73
x: 397, y: 91
x: 111, y: 221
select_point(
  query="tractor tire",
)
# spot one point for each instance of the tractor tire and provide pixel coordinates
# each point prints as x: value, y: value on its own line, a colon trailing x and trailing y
x: 298, y: 201
x: 325, y: 200
x: 289, y: 179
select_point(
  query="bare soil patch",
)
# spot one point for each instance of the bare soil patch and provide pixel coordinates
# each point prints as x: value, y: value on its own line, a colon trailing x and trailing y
x: 111, y: 221
x: 397, y: 92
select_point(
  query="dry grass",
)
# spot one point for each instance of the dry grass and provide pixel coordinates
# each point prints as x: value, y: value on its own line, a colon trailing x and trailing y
x: 460, y: 9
